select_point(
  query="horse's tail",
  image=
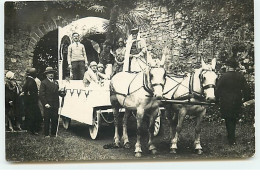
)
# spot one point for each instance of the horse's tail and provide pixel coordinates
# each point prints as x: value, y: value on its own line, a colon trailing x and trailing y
x: 113, y: 99
x: 111, y: 88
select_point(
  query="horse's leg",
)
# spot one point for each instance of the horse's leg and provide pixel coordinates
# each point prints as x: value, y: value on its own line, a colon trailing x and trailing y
x: 174, y: 135
x: 199, y: 118
x: 181, y: 115
x: 139, y: 117
x: 152, y: 117
x: 169, y: 116
x: 125, y: 135
x: 116, y: 118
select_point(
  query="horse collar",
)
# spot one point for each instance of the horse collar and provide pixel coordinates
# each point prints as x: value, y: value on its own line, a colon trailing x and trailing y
x: 146, y: 85
x: 193, y: 93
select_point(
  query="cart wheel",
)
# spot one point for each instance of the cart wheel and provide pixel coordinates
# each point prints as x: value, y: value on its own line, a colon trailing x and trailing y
x: 157, y: 124
x: 93, y: 130
x: 66, y: 122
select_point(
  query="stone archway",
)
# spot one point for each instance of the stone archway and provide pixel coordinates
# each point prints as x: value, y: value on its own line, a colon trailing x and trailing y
x: 91, y: 29
x: 46, y: 52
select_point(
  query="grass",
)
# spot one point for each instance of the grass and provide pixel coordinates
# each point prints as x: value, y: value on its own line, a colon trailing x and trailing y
x: 75, y: 144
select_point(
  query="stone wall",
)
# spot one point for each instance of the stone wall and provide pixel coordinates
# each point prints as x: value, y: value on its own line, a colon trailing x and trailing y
x: 173, y: 29
x: 166, y: 28
x: 20, y: 44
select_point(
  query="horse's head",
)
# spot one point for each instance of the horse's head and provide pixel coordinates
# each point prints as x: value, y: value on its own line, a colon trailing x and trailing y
x: 208, y: 78
x: 156, y: 78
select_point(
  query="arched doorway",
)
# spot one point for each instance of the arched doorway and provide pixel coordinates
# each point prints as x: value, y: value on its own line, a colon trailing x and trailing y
x: 52, y: 48
x: 92, y: 35
x: 46, y: 53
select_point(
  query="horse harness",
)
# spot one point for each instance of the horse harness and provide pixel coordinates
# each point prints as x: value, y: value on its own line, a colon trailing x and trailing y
x: 192, y: 93
x: 145, y: 86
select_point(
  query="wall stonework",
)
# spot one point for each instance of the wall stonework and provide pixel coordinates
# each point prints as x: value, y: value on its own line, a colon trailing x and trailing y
x: 165, y: 28
x: 20, y: 45
x: 173, y: 28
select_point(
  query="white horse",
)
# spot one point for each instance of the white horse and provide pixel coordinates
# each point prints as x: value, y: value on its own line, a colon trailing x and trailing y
x: 193, y: 88
x: 141, y: 92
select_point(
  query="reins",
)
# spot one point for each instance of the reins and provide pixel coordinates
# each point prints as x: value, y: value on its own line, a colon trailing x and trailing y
x: 191, y: 92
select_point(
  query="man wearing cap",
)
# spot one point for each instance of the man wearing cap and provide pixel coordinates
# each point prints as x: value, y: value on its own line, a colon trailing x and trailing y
x: 91, y: 74
x: 77, y: 58
x: 230, y: 90
x: 135, y: 55
x: 101, y: 72
x: 13, y: 102
x: 32, y: 110
x: 49, y: 95
x: 119, y: 57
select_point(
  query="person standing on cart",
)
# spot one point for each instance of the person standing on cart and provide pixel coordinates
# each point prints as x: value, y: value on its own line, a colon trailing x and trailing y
x: 135, y: 53
x: 119, y: 57
x: 77, y: 58
x: 49, y: 95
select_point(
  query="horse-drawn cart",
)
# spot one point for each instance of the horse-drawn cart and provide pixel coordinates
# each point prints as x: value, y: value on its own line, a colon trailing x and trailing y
x: 89, y: 105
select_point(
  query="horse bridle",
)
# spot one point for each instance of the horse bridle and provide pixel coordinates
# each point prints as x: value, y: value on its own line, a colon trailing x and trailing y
x: 148, y: 89
x: 201, y: 81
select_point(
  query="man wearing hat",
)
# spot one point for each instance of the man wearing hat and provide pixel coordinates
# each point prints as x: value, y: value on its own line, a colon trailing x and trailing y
x: 77, y: 58
x: 32, y: 110
x: 136, y: 52
x: 91, y: 74
x: 230, y: 89
x: 119, y: 57
x: 49, y: 96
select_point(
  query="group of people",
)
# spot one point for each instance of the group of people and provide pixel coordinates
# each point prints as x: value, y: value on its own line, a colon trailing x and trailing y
x: 35, y: 101
x: 231, y: 88
x: 131, y: 58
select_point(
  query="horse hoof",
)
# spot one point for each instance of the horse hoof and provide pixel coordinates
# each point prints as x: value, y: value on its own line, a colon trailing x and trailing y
x: 116, y: 145
x: 154, y: 152
x: 127, y: 145
x: 173, y: 151
x: 199, y: 151
x: 138, y: 154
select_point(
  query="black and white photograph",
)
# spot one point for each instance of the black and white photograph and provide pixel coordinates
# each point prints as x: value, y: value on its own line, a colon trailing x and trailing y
x: 129, y: 80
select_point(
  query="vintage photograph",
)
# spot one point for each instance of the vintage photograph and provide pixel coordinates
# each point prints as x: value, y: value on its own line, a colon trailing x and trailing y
x: 129, y: 80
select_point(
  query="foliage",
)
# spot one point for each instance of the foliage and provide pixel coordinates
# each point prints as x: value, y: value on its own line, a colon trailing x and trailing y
x: 110, y: 36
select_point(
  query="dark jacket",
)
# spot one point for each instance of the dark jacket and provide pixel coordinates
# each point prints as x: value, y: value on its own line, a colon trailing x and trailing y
x: 12, y: 93
x: 49, y: 93
x: 30, y: 92
x: 230, y: 89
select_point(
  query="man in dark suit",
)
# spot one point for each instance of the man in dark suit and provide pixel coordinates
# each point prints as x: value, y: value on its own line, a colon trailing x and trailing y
x: 49, y: 96
x: 32, y: 110
x: 230, y: 90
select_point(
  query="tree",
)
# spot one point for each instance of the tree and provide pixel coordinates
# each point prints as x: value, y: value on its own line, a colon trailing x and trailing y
x: 123, y: 16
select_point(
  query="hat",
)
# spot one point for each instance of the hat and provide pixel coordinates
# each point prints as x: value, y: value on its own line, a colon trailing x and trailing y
x: 232, y: 63
x: 9, y: 75
x: 49, y: 70
x: 100, y: 65
x: 134, y: 30
x: 93, y: 63
x: 120, y: 40
x: 31, y: 71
